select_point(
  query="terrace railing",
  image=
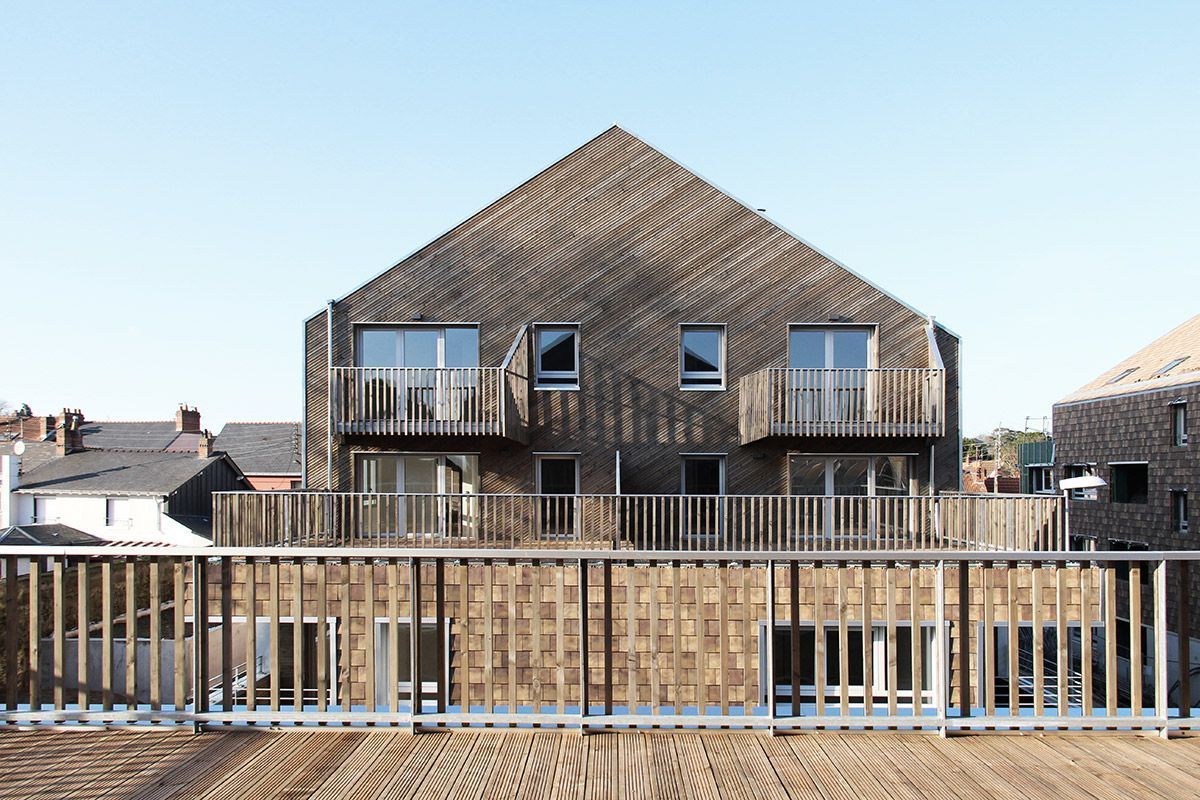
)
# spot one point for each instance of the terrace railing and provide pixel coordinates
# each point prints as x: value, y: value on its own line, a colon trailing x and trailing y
x: 842, y: 402
x: 587, y: 639
x: 650, y: 522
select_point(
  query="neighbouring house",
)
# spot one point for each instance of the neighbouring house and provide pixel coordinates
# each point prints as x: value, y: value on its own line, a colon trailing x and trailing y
x: 268, y: 453
x: 618, y: 324
x: 126, y: 496
x: 1035, y: 460
x: 1134, y: 426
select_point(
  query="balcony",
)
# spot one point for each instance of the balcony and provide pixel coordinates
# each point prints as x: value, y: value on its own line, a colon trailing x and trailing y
x: 674, y: 523
x: 428, y: 401
x: 842, y: 403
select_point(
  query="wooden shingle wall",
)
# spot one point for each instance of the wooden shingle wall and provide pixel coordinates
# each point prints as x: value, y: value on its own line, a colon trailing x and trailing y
x: 629, y: 244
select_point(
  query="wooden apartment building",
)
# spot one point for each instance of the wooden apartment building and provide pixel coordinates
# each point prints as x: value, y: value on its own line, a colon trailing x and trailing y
x: 617, y: 324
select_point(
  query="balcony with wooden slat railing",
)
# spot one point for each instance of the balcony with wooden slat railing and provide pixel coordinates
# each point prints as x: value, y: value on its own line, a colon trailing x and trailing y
x: 425, y: 401
x: 842, y: 402
x: 681, y: 523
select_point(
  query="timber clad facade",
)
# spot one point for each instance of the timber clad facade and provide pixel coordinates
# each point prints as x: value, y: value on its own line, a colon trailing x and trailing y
x: 626, y: 246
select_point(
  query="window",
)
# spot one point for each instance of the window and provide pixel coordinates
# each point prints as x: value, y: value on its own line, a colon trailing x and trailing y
x: 702, y: 481
x: 116, y: 512
x: 856, y: 669
x: 1170, y: 365
x: 418, y: 346
x: 1130, y: 482
x: 399, y: 647
x: 1121, y: 568
x: 1023, y: 682
x: 42, y: 510
x: 558, y: 483
x: 1179, y: 435
x: 1041, y: 478
x: 1079, y: 471
x: 1120, y: 376
x: 421, y: 494
x: 828, y: 378
x: 702, y: 357
x: 317, y: 641
x: 1179, y: 511
x: 557, y: 356
x: 855, y: 475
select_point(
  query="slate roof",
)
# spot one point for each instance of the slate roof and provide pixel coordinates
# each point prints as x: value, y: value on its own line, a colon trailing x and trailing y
x: 1144, y: 370
x: 262, y: 448
x: 115, y: 472
x: 151, y: 435
x: 48, y: 535
x: 36, y: 454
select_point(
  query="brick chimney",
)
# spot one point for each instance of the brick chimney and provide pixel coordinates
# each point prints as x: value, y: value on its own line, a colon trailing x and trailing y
x: 187, y: 419
x: 67, y: 435
x: 205, y: 448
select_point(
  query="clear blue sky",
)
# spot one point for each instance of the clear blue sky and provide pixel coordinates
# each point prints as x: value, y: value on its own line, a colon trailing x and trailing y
x: 181, y: 184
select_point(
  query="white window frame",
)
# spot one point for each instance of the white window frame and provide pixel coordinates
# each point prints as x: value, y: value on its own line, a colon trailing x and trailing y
x: 1045, y: 469
x: 399, y: 327
x: 1089, y: 469
x: 1179, y: 511
x: 857, y: 692
x: 872, y: 330
x: 684, y: 376
x: 382, y: 666
x: 112, y: 505
x: 570, y: 380
x: 469, y: 506
x: 1179, y: 415
x: 831, y: 457
x: 41, y: 508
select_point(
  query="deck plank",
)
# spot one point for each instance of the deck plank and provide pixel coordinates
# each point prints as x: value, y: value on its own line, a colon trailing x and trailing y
x: 370, y: 764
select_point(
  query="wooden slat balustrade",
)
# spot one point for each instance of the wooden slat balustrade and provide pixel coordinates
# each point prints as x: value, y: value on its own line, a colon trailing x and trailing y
x: 649, y: 522
x: 977, y: 640
x: 842, y: 402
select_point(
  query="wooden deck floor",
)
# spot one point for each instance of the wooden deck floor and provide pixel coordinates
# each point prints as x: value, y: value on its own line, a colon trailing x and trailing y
x: 394, y: 764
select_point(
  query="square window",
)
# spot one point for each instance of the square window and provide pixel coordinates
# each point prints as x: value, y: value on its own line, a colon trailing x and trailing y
x: 1130, y: 483
x: 702, y: 357
x: 557, y: 363
x: 116, y: 512
x: 1079, y: 471
x: 1041, y: 479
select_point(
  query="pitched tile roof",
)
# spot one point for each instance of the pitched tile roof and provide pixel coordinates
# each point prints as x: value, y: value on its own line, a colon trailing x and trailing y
x: 152, y: 435
x: 1171, y: 360
x: 262, y: 448
x: 115, y: 472
x: 36, y: 454
x: 48, y: 535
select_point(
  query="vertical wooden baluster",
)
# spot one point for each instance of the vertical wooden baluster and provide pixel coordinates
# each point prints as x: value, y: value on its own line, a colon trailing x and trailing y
x: 35, y: 633
x: 273, y: 642
x: 608, y: 638
x: 893, y: 655
x: 511, y: 623
x: 155, y: 590
x: 1185, y: 635
x: 1159, y: 595
x: 584, y: 661
x: 395, y: 643
x: 439, y: 614
x: 83, y: 618
x: 251, y: 635
x: 632, y: 573
x: 1085, y: 634
x: 106, y: 634
x: 343, y: 632
x: 794, y: 632
x: 489, y: 637
x: 11, y: 631
x: 1060, y: 632
x: 819, y: 634
x: 1039, y: 628
x: 560, y: 635
x: 179, y: 651
x: 868, y: 642
x: 653, y: 628
x: 677, y: 636
x: 297, y: 574
x: 987, y: 639
x: 60, y: 634
x: 1014, y: 626
x: 1135, y: 637
x: 371, y: 688
x: 226, y: 577
x: 843, y: 608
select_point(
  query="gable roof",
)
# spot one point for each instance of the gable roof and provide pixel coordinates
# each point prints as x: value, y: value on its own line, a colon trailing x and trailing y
x: 47, y: 535
x: 1171, y: 360
x: 149, y: 435
x: 115, y: 472
x: 617, y: 186
x: 262, y: 448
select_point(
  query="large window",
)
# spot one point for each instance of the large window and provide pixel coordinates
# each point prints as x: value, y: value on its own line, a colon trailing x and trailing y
x: 702, y: 356
x: 399, y: 648
x: 557, y: 352
x: 558, y: 483
x: 1130, y: 482
x: 418, y: 346
x: 418, y: 479
x: 828, y: 382
x: 1179, y: 434
x: 861, y: 475
x: 1080, y: 471
x: 806, y: 664
x: 1041, y: 478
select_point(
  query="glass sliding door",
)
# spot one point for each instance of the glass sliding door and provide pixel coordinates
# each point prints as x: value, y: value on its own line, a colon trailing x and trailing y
x: 829, y: 382
x: 850, y: 485
x: 426, y: 372
x: 418, y: 494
